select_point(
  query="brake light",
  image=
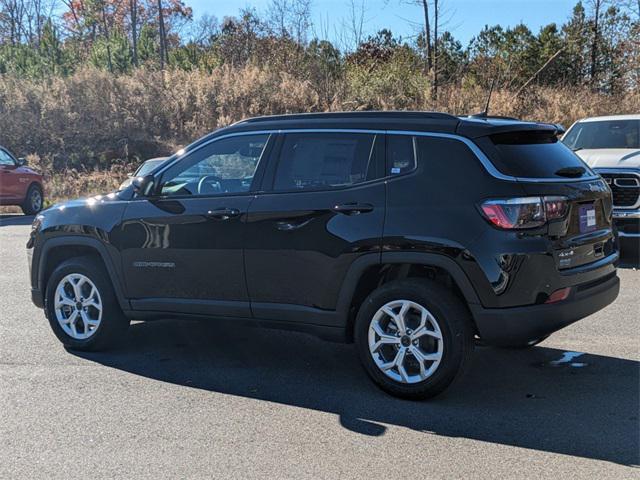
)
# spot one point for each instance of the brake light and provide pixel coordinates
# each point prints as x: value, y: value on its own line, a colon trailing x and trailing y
x: 524, y: 212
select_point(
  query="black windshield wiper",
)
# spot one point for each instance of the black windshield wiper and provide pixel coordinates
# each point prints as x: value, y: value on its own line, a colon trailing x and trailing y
x: 571, y: 172
x: 577, y: 148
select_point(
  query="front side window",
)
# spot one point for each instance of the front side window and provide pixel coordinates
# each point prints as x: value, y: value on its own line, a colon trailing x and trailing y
x: 325, y: 160
x: 5, y: 158
x: 226, y: 166
x: 604, y: 134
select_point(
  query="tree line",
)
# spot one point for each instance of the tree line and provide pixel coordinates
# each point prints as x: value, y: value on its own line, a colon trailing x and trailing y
x: 598, y: 45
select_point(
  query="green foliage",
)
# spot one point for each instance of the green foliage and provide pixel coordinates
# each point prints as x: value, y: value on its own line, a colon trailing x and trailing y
x: 112, y: 54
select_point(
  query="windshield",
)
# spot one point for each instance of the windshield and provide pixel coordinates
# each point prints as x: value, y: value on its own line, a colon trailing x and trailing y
x: 148, y: 167
x: 604, y: 134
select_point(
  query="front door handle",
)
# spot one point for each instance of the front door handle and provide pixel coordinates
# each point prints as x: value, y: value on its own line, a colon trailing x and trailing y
x: 353, y: 208
x: 223, y: 213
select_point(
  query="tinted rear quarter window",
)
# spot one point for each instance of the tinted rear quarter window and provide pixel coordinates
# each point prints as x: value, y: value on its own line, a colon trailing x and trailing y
x: 533, y: 154
x: 401, y: 154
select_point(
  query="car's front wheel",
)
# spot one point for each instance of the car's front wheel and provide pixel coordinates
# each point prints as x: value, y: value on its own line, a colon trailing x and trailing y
x: 82, y: 307
x: 414, y: 337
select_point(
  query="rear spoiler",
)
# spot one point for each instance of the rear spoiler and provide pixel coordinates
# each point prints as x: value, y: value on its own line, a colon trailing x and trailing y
x: 476, y: 127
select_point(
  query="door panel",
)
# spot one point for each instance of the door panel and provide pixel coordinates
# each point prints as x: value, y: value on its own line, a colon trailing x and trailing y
x: 176, y: 249
x: 329, y: 211
x: 299, y: 247
x: 182, y: 247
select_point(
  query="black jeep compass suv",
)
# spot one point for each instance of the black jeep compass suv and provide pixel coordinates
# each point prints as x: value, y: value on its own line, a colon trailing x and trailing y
x: 409, y: 233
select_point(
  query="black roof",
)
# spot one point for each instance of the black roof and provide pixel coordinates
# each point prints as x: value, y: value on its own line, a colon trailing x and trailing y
x: 471, y: 126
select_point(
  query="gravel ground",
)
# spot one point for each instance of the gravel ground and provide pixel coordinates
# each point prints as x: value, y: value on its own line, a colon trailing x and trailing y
x: 204, y: 400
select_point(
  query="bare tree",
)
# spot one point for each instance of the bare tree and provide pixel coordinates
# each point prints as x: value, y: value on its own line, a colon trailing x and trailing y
x: 436, y: 18
x: 164, y: 56
x: 133, y: 14
x: 427, y: 34
x: 353, y: 25
x: 595, y: 39
x: 290, y: 18
x: 105, y: 31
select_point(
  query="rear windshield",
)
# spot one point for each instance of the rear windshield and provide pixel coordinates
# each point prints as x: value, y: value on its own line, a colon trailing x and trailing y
x: 604, y: 134
x: 535, y: 155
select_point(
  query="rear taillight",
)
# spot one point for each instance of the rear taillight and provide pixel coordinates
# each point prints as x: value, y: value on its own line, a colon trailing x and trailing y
x: 524, y: 212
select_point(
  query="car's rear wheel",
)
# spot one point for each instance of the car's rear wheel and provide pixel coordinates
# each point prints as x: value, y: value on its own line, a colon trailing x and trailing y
x: 82, y: 307
x: 34, y: 200
x: 414, y: 338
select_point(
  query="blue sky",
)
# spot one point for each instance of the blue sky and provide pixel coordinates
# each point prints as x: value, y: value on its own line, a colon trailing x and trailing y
x: 465, y: 18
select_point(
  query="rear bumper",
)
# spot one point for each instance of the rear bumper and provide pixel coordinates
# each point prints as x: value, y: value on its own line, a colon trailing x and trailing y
x: 517, y: 325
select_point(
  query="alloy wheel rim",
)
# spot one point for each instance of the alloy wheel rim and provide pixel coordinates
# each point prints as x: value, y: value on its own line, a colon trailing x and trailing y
x: 36, y: 200
x: 78, y: 306
x: 405, y: 341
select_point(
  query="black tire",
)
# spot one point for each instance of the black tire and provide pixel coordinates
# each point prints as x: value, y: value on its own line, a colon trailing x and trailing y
x: 454, y: 321
x: 113, y: 324
x: 34, y: 200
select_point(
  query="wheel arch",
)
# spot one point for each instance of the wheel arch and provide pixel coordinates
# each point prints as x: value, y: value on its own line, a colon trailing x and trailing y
x: 370, y: 271
x: 58, y: 249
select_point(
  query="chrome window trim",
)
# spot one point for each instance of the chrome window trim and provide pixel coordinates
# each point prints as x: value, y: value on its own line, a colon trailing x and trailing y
x: 484, y: 160
x: 613, y: 171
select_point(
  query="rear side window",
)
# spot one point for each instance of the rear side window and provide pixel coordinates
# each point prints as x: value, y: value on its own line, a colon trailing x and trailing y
x: 401, y: 154
x: 324, y: 160
x: 604, y: 134
x: 535, y: 154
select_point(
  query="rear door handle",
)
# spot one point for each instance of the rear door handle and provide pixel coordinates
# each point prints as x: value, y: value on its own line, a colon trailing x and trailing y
x: 223, y: 213
x: 353, y: 208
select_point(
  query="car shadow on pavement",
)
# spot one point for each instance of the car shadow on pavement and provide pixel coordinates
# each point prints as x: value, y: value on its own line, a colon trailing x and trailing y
x: 583, y: 405
x: 11, y: 219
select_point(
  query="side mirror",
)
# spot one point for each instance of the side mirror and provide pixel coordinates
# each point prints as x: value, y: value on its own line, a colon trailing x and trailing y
x: 22, y: 162
x: 143, y: 186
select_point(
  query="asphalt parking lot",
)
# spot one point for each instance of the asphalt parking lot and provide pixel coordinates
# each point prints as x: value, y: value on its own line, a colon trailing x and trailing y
x: 204, y: 400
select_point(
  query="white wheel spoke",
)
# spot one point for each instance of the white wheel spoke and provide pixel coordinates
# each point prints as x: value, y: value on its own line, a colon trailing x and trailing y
x: 397, y: 319
x: 425, y: 357
x: 385, y: 338
x: 388, y: 365
x: 65, y: 301
x: 91, y: 303
x: 425, y: 331
x: 73, y: 327
x: 72, y: 318
x: 399, y: 363
x: 77, y: 291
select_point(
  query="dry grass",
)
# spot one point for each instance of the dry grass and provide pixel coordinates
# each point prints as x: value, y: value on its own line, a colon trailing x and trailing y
x: 86, y: 131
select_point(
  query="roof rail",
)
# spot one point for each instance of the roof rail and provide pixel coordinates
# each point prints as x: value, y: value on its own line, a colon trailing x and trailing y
x: 357, y: 114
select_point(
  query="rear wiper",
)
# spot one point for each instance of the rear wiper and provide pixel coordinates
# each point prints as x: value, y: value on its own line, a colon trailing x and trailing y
x: 571, y: 172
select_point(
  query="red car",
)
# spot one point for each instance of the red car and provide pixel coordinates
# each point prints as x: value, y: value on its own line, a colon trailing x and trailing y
x: 19, y: 185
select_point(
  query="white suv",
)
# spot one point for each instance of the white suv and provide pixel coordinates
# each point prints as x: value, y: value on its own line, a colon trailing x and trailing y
x: 611, y: 146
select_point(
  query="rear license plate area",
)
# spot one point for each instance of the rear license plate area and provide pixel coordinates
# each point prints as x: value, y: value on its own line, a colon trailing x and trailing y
x: 587, y: 217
